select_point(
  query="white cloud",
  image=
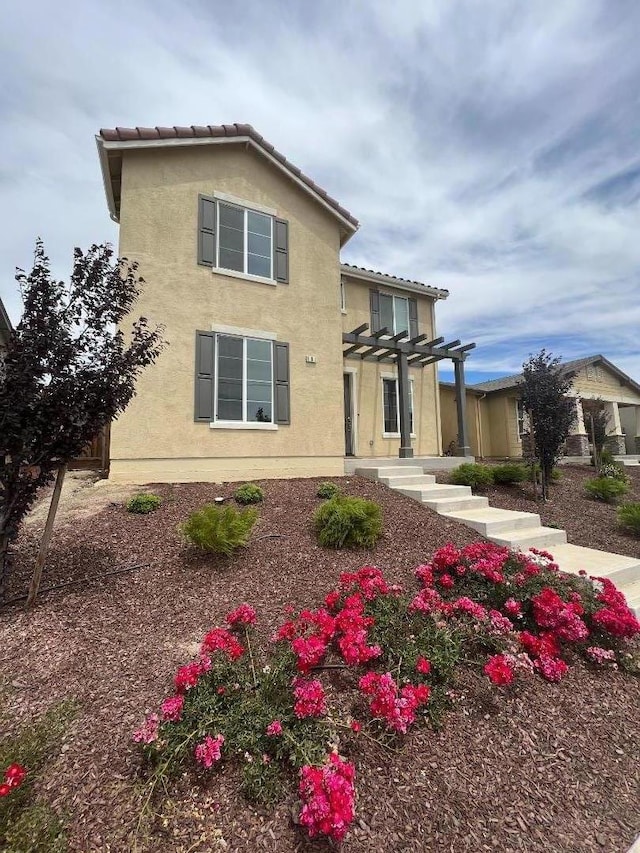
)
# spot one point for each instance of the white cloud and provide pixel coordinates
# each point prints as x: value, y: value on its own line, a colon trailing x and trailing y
x: 484, y: 147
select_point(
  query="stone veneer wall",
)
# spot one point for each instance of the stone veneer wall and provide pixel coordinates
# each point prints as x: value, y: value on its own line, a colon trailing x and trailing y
x: 616, y: 444
x: 577, y: 445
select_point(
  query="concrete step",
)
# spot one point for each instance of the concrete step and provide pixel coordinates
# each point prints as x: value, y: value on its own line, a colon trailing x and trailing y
x: 435, y: 490
x: 530, y: 537
x: 490, y: 520
x: 632, y: 594
x: 622, y: 570
x: 444, y: 505
x: 374, y: 472
x: 397, y: 482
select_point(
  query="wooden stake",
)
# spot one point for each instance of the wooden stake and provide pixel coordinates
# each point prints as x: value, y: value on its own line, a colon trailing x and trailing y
x: 46, y: 537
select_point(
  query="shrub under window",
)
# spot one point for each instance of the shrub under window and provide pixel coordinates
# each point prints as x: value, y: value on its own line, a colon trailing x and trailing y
x: 249, y: 493
x: 219, y: 530
x: 510, y: 473
x: 472, y: 474
x: 144, y: 503
x: 327, y: 490
x: 348, y: 522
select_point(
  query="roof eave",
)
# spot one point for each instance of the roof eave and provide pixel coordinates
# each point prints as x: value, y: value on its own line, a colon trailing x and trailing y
x: 391, y: 281
x: 347, y: 228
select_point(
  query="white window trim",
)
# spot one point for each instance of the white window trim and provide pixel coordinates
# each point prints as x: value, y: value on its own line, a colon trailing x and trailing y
x: 524, y: 421
x: 242, y: 332
x: 246, y: 207
x: 242, y: 202
x: 343, y: 296
x: 244, y: 423
x: 393, y: 376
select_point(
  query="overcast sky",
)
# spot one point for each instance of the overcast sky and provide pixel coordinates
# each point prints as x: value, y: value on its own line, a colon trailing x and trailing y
x: 490, y: 147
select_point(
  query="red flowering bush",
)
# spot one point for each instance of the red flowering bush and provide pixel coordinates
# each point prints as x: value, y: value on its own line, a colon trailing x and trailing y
x: 516, y: 615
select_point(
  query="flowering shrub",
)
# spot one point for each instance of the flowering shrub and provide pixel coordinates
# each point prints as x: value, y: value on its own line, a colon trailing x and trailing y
x: 515, y: 614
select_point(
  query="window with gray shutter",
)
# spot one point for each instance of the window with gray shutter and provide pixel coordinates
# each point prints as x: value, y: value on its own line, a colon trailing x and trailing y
x: 281, y: 250
x: 374, y: 302
x: 205, y: 373
x: 206, y: 231
x: 281, y: 382
x: 413, y: 318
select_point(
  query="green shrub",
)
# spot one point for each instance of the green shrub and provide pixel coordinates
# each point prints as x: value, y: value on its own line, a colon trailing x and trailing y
x: 27, y: 825
x: 614, y: 470
x: 472, y: 474
x: 629, y: 517
x: 348, y: 522
x: 249, y: 493
x: 606, y: 457
x: 606, y: 489
x: 510, y: 473
x: 556, y: 473
x: 143, y: 503
x: 327, y: 490
x: 219, y: 529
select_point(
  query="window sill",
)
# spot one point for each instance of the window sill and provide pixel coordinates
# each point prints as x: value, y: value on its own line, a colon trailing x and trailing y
x: 241, y: 425
x: 246, y: 276
x: 395, y: 435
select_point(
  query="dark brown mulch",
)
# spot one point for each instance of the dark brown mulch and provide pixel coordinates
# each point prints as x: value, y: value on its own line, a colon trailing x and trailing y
x: 587, y: 522
x: 549, y: 767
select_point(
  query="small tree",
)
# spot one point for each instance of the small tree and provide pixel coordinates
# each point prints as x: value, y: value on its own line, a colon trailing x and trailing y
x: 67, y: 372
x: 544, y: 390
x: 596, y: 422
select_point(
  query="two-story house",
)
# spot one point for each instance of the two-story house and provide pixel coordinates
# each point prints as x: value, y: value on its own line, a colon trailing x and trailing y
x: 5, y: 327
x: 281, y: 360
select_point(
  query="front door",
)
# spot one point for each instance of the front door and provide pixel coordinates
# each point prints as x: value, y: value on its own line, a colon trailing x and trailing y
x: 348, y: 415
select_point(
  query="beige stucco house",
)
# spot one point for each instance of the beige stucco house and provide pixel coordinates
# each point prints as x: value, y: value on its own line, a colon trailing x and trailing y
x: 5, y: 327
x: 496, y: 422
x: 281, y: 360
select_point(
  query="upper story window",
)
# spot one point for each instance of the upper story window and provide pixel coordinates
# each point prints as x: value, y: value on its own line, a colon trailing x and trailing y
x: 396, y: 313
x: 521, y: 418
x: 239, y: 241
x: 343, y: 296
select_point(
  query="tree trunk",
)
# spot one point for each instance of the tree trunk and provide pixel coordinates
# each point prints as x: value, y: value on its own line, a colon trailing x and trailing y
x: 46, y: 537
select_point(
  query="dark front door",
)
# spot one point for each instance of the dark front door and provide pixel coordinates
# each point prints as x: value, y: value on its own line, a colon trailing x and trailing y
x: 348, y: 415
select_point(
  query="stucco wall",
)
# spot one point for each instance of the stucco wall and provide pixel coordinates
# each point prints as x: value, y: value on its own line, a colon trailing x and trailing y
x: 449, y: 419
x: 597, y: 381
x: 501, y: 435
x: 156, y: 438
x: 369, y: 375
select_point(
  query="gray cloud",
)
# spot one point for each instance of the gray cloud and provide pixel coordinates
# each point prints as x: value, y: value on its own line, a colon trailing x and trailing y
x: 486, y: 147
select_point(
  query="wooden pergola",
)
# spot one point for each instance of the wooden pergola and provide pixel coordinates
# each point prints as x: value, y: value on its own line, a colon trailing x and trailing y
x: 406, y: 352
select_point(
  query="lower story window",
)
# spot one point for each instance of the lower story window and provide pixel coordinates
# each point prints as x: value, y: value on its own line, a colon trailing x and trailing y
x: 391, y: 407
x: 244, y: 379
x: 521, y: 418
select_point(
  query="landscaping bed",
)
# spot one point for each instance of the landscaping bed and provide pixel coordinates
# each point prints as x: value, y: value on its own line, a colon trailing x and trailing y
x: 552, y: 766
x: 588, y: 522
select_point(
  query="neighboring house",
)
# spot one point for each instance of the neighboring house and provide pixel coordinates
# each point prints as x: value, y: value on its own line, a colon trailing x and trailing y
x: 5, y: 327
x: 281, y: 360
x: 497, y: 421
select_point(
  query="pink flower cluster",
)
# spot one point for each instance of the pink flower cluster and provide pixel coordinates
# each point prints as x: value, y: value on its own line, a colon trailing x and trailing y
x: 615, y: 617
x: 499, y: 670
x: 172, y: 708
x: 221, y: 640
x: 274, y: 729
x: 14, y: 776
x: 601, y: 656
x: 351, y: 628
x: 328, y: 798
x: 209, y: 751
x: 563, y: 618
x: 148, y: 731
x: 310, y: 698
x: 242, y: 615
x: 396, y: 707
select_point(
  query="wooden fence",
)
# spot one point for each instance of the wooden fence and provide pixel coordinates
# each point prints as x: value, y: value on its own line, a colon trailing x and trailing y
x: 95, y: 456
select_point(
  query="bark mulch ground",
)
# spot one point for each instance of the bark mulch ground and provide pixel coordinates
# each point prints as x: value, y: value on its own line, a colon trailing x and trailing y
x: 541, y: 768
x: 587, y: 522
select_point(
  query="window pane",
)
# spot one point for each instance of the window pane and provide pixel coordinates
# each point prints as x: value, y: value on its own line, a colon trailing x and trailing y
x: 259, y: 392
x: 258, y: 349
x: 231, y: 216
x: 386, y: 312
x: 231, y: 239
x: 230, y: 346
x: 390, y: 397
x: 229, y: 410
x: 260, y: 412
x: 229, y: 389
x: 259, y: 245
x: 401, y: 312
x: 260, y: 370
x: 258, y: 265
x: 229, y: 260
x: 258, y: 223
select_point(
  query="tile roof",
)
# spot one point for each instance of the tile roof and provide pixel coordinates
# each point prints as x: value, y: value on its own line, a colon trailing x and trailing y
x: 137, y: 134
x: 5, y: 323
x: 348, y: 269
x: 504, y: 382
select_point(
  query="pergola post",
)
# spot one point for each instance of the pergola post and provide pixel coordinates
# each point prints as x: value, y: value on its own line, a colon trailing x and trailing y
x: 463, y: 448
x: 406, y: 451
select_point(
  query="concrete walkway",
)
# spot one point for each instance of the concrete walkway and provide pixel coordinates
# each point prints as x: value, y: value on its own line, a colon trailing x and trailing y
x: 518, y: 530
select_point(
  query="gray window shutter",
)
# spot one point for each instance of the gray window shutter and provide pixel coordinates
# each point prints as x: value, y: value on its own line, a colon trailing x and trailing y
x: 281, y: 383
x: 413, y: 318
x: 281, y: 250
x: 374, y: 301
x: 205, y: 372
x: 206, y: 231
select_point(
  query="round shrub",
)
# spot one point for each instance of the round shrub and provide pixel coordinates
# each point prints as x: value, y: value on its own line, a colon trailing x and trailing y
x: 606, y: 489
x: 249, y: 493
x: 472, y: 474
x: 629, y: 517
x: 143, y: 503
x: 510, y: 473
x: 219, y: 529
x: 348, y: 522
x: 327, y: 490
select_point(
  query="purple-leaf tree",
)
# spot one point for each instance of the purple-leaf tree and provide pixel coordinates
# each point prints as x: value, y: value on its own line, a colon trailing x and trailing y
x: 68, y: 370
